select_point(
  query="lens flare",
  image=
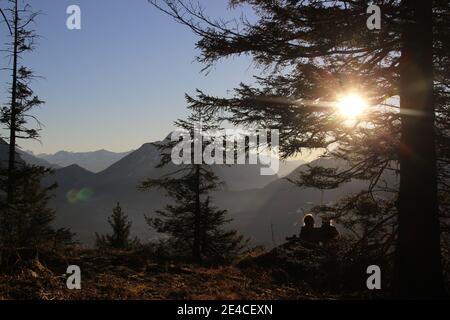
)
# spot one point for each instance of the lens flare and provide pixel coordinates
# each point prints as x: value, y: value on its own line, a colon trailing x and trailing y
x: 351, y: 106
x: 71, y: 196
x: 84, y: 194
x: 74, y: 196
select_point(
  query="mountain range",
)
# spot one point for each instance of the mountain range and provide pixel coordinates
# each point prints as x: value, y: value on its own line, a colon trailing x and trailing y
x: 264, y: 208
x: 95, y: 161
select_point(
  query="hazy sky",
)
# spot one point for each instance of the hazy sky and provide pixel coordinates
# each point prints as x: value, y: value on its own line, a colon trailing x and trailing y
x: 120, y: 81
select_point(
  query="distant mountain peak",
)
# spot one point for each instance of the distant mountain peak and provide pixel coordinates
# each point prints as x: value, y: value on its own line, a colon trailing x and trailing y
x: 26, y: 156
x: 94, y: 161
x: 75, y: 168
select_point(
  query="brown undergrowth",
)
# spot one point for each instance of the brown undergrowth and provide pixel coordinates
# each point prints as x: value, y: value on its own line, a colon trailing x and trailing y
x: 138, y: 275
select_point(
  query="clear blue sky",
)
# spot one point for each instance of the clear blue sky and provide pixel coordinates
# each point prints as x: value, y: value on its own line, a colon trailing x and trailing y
x: 120, y: 81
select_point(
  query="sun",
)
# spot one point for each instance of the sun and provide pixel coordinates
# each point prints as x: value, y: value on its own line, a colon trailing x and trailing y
x: 351, y: 106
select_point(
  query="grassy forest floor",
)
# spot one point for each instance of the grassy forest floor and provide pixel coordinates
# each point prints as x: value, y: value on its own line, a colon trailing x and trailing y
x: 128, y: 275
x: 291, y: 271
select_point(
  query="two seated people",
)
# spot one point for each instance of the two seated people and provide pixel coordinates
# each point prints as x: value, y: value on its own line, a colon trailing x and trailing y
x: 310, y: 233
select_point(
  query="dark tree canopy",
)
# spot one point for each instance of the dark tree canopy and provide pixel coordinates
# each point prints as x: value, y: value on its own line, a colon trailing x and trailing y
x: 29, y: 223
x: 312, y: 53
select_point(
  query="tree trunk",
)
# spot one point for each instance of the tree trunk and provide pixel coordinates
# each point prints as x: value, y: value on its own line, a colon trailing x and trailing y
x: 12, y: 129
x: 418, y: 269
x: 196, y: 252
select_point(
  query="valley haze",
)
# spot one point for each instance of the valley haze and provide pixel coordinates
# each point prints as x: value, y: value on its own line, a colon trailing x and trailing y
x: 259, y: 205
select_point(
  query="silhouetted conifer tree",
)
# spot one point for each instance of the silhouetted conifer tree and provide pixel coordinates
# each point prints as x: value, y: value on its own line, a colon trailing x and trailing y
x: 313, y: 52
x: 120, y: 237
x: 194, y: 226
x: 25, y: 219
x: 27, y: 225
x: 16, y: 115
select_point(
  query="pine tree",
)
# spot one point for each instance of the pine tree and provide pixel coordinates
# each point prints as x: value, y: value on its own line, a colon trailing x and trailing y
x: 25, y: 218
x: 27, y: 225
x: 192, y: 223
x: 120, y: 238
x: 23, y: 100
x: 317, y: 51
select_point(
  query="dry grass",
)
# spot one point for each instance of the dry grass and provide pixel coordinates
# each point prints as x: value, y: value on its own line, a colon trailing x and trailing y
x: 124, y: 275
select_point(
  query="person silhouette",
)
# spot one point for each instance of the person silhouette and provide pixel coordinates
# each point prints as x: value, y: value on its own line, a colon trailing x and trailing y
x: 327, y: 231
x: 309, y: 232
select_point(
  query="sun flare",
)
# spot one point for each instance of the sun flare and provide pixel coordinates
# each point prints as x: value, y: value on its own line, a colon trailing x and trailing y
x: 351, y: 106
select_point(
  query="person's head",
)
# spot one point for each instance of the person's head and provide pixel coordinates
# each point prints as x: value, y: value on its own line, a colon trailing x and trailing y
x: 326, y: 221
x: 308, y: 221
